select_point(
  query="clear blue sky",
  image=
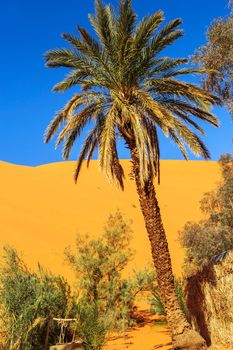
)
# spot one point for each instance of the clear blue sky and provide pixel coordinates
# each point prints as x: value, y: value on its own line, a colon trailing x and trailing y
x: 29, y: 28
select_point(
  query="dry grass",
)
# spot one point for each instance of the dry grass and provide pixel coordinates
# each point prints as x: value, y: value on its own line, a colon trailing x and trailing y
x: 210, y: 302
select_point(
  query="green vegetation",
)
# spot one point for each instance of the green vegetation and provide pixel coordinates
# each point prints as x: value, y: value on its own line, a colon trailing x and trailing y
x: 213, y: 235
x: 28, y: 301
x: 217, y: 57
x: 98, y: 264
x: 93, y: 325
x: 129, y: 91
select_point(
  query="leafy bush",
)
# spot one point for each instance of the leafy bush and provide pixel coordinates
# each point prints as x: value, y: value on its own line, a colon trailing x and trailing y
x: 93, y: 326
x: 106, y: 298
x: 98, y: 264
x: 213, y: 235
x: 28, y: 301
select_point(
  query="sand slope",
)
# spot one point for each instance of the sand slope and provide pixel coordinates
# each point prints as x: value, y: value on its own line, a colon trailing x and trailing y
x: 41, y: 209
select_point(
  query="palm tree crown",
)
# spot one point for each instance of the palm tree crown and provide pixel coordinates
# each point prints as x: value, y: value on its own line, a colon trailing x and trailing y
x: 128, y: 90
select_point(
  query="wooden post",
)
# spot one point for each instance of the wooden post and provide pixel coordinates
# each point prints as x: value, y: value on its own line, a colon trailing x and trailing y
x: 47, y: 333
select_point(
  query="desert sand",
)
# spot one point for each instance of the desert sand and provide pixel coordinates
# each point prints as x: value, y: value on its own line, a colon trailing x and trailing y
x: 42, y: 210
x: 149, y: 336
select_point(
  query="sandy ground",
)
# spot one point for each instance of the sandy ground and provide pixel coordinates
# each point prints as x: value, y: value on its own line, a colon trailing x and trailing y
x: 42, y: 210
x: 149, y: 335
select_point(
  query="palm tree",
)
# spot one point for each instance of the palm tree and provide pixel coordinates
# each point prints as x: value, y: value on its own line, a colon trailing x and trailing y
x: 128, y: 91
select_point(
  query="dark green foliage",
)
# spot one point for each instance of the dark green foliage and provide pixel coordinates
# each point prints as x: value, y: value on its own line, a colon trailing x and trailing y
x: 217, y: 57
x: 28, y: 300
x: 214, y: 234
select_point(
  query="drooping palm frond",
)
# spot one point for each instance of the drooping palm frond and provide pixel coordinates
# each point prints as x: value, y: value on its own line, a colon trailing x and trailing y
x: 61, y: 116
x: 87, y: 149
x: 128, y: 89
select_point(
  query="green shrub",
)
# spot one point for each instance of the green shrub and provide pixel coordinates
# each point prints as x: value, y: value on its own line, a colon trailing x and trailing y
x: 93, y: 326
x: 106, y: 298
x: 98, y: 264
x: 213, y: 235
x: 28, y: 300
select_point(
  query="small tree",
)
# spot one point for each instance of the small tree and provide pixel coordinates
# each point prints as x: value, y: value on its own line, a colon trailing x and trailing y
x: 217, y: 57
x: 98, y: 264
x: 214, y: 234
x: 28, y: 301
x: 106, y: 298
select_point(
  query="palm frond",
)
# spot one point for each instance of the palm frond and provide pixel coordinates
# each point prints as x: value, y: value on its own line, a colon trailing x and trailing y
x: 166, y: 64
x: 61, y: 116
x: 188, y: 91
x: 74, y: 127
x: 145, y: 29
x: 107, y: 137
x: 184, y: 71
x: 126, y: 19
x: 89, y: 143
x: 141, y: 145
x: 178, y: 142
x: 186, y: 108
x: 61, y: 58
x: 195, y: 144
x: 164, y: 38
x: 104, y: 24
x: 75, y: 77
x: 190, y: 121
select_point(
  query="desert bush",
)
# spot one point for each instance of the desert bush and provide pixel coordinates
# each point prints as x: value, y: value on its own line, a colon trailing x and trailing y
x: 213, y: 235
x: 28, y: 301
x: 106, y: 298
x: 98, y: 264
x: 93, y: 326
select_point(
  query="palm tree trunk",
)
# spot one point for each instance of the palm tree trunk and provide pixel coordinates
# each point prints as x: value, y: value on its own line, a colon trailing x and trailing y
x: 182, y: 334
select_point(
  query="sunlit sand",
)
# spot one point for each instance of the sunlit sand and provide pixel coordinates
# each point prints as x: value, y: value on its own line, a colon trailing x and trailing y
x: 42, y: 210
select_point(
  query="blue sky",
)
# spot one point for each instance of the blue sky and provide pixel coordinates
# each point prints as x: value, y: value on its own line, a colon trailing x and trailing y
x: 29, y: 28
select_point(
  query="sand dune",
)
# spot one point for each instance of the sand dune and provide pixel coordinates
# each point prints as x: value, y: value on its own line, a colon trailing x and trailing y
x: 41, y: 209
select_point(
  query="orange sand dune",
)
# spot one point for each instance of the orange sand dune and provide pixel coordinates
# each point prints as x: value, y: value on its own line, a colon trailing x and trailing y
x: 41, y: 209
